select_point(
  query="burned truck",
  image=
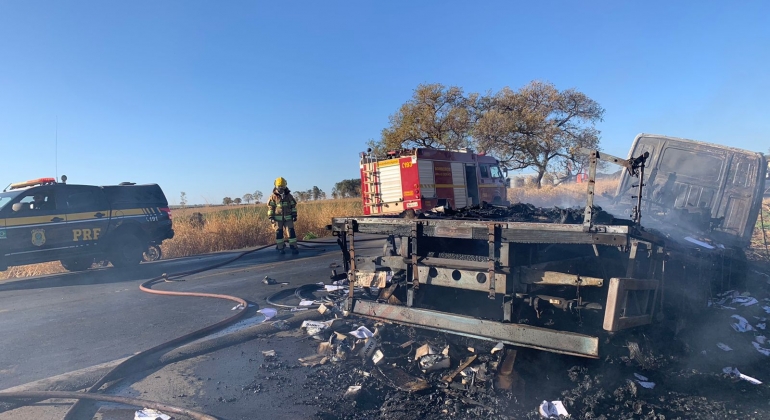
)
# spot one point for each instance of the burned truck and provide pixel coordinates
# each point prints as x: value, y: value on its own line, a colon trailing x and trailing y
x: 560, y: 280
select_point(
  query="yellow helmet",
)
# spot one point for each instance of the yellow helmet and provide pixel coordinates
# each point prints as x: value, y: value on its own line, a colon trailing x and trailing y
x: 280, y: 182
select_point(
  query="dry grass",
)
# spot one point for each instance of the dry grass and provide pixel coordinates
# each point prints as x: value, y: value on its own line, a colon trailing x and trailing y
x: 247, y: 226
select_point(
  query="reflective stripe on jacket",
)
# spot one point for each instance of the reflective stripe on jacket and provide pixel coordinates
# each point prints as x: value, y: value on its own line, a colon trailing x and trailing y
x: 281, y: 207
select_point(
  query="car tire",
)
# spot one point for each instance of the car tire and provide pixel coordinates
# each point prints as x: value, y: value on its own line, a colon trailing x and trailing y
x: 77, y: 263
x: 153, y: 253
x: 126, y: 251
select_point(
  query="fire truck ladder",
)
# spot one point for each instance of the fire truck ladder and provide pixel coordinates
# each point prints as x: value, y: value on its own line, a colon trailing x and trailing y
x: 372, y: 192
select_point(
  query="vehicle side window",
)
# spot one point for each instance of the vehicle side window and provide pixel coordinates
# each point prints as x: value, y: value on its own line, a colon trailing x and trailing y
x: 484, y: 169
x: 35, y: 201
x: 494, y: 171
x: 82, y: 200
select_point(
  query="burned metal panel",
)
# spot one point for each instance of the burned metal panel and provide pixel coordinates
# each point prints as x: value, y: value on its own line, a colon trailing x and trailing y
x: 478, y: 280
x: 630, y: 303
x: 555, y: 278
x: 515, y: 334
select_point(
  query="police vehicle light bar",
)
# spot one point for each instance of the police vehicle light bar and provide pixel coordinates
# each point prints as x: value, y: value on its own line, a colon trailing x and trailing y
x: 31, y: 182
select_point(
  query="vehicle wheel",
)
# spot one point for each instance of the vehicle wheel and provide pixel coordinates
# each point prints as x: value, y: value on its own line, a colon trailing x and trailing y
x: 126, y: 251
x: 77, y: 263
x: 153, y: 253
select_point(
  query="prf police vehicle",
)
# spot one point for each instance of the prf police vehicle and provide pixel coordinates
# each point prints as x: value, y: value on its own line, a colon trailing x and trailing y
x: 43, y: 220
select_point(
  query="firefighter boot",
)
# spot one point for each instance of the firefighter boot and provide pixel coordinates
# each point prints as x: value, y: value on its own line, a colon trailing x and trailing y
x: 294, y: 250
x: 280, y: 250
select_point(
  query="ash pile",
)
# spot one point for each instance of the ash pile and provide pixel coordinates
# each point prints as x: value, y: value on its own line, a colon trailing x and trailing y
x: 367, y: 369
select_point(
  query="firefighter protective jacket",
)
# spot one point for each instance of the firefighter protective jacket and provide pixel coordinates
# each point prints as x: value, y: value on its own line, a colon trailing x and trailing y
x: 282, y: 207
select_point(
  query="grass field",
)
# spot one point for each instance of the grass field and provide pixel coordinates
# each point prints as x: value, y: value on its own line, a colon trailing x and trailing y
x: 228, y: 228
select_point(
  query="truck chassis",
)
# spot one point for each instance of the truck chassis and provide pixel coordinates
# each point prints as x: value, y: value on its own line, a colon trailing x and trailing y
x: 556, y: 287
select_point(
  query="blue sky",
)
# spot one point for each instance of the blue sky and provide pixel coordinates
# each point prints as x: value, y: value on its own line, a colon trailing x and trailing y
x: 219, y: 98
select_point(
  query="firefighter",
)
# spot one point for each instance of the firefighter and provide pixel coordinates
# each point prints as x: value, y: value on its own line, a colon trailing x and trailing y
x: 282, y: 212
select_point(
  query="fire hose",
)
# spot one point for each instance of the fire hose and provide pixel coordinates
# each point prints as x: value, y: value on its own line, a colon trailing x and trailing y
x: 116, y: 372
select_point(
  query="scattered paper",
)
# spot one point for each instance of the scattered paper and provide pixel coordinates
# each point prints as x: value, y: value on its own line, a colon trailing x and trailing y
x: 644, y: 381
x: 736, y: 373
x: 742, y: 325
x: 236, y: 307
x: 268, y: 313
x: 497, y: 347
x: 745, y: 300
x: 378, y: 357
x: 761, y: 349
x: 150, y: 414
x: 362, y: 332
x: 333, y: 288
x: 645, y: 384
x: 306, y: 303
x: 553, y: 409
x: 352, y: 391
x: 766, y: 308
x: 762, y: 325
x: 314, y: 327
x: 268, y: 353
x: 761, y: 339
x: 298, y: 309
x: 724, y: 347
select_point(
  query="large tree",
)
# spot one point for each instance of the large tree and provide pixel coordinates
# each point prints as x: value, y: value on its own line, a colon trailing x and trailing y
x: 538, y: 127
x: 437, y: 117
x: 248, y: 198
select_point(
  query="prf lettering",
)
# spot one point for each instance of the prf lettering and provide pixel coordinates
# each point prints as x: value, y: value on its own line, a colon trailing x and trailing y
x: 85, y: 234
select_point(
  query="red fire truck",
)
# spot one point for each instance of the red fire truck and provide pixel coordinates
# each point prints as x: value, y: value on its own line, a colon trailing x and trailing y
x: 422, y: 179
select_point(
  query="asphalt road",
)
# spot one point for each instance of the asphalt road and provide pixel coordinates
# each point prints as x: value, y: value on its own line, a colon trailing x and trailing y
x: 60, y: 323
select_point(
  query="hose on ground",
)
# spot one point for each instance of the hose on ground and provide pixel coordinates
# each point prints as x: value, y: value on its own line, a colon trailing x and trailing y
x: 41, y: 395
x: 147, y: 288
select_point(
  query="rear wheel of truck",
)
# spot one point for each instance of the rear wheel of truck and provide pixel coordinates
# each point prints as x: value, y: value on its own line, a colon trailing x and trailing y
x: 126, y: 251
x: 77, y: 263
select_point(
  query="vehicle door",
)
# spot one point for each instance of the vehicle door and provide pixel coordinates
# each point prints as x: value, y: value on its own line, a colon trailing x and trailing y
x: 88, y: 214
x: 35, y: 224
x: 739, y: 194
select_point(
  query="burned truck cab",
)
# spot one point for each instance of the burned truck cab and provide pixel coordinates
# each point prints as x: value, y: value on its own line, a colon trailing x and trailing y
x: 699, y: 189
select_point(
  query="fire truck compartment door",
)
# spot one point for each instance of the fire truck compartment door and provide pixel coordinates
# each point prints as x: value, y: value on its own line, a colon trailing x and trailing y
x: 458, y: 181
x: 390, y: 181
x: 427, y: 181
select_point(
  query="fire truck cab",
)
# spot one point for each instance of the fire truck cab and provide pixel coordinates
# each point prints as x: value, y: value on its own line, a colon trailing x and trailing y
x: 422, y: 179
